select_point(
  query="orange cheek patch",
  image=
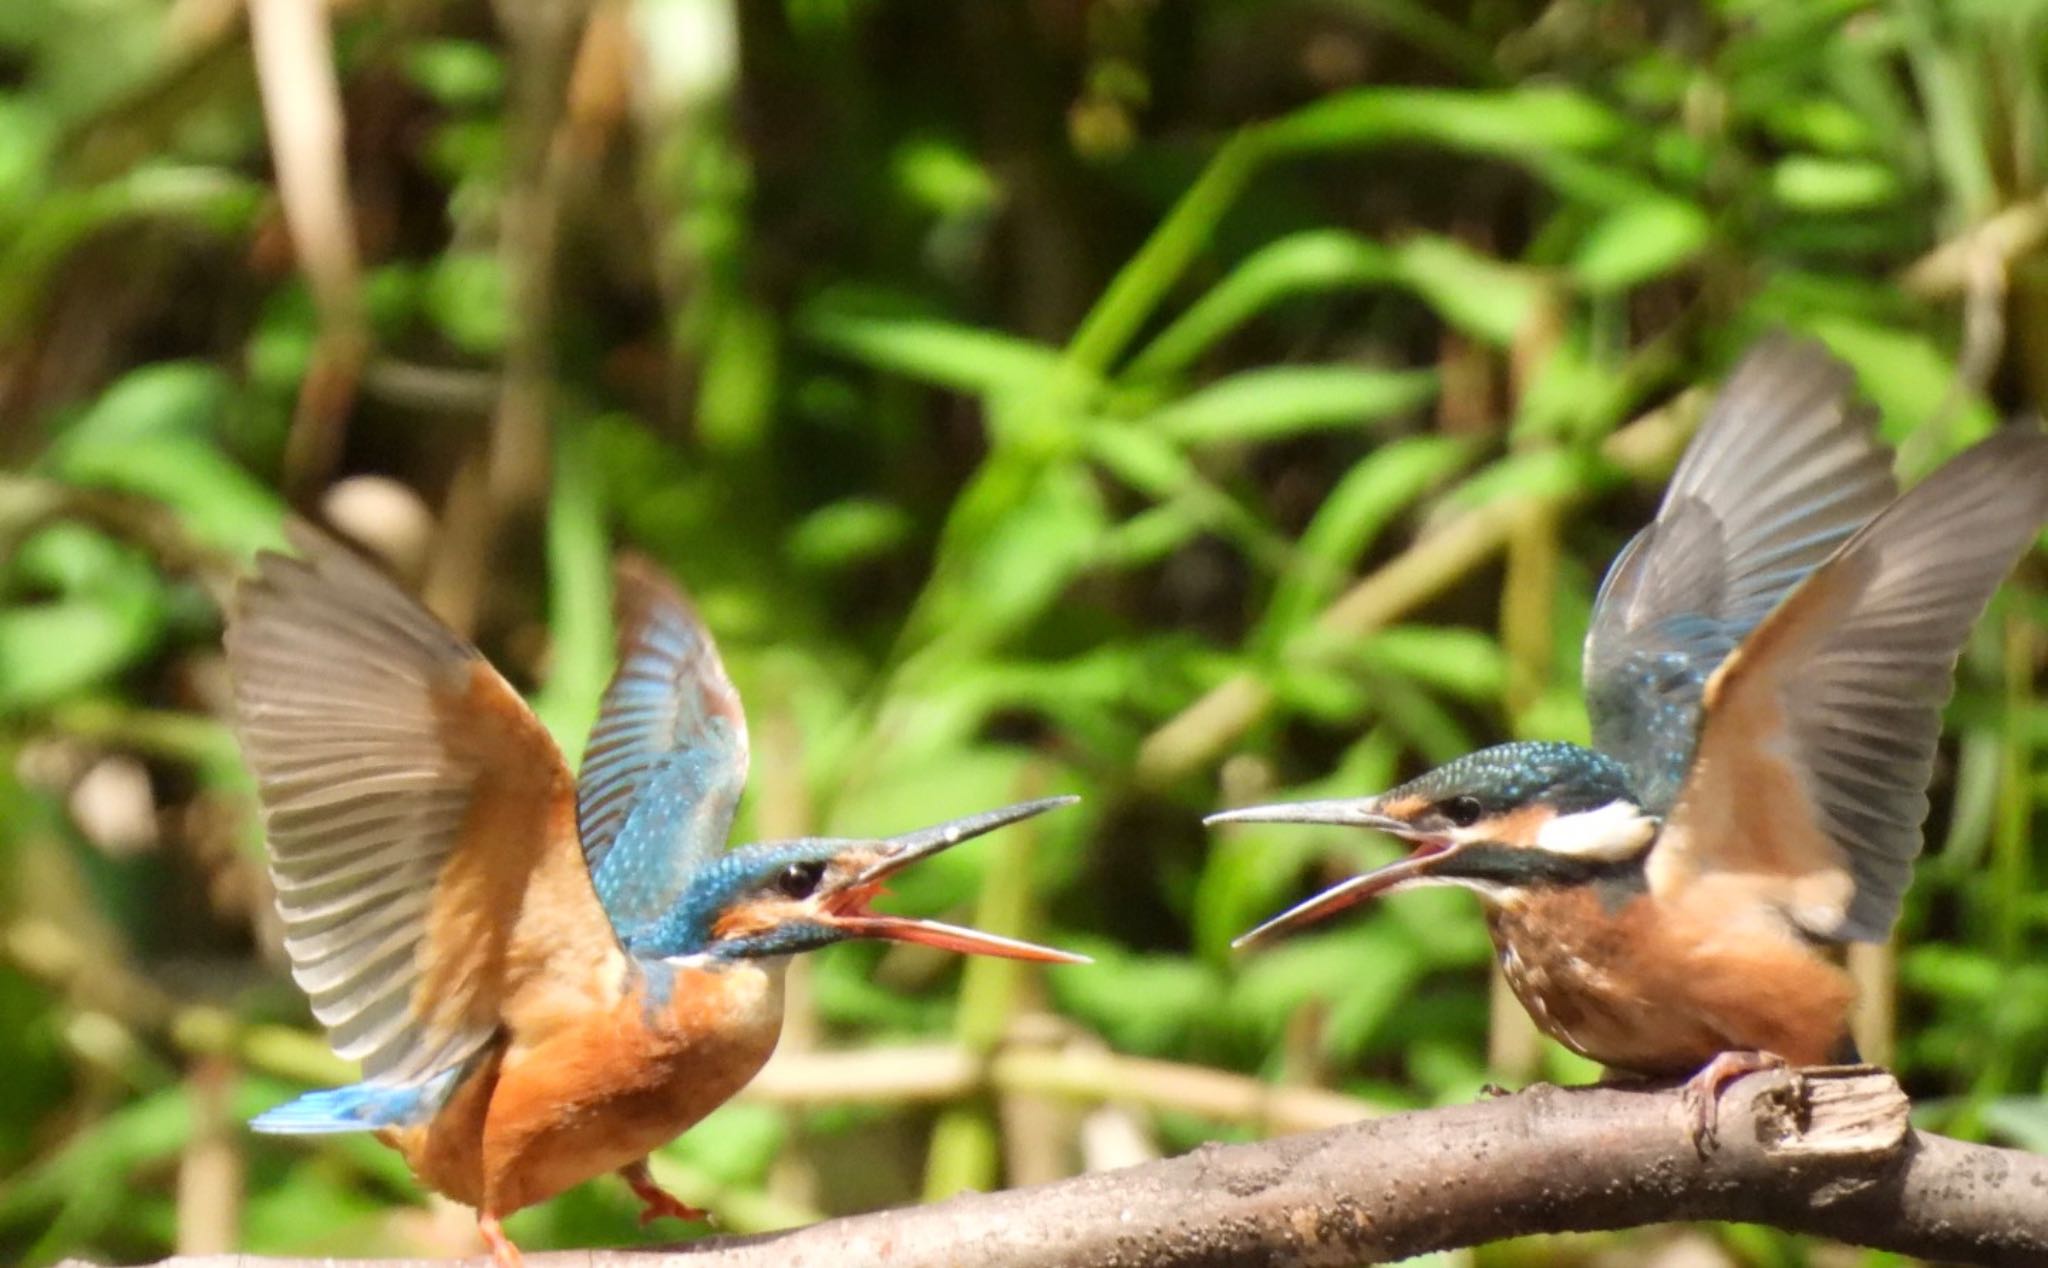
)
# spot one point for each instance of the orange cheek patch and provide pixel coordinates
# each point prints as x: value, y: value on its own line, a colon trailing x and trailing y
x: 1404, y: 808
x: 748, y: 919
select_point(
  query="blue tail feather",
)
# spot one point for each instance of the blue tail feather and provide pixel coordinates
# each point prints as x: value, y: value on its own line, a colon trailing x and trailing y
x: 358, y: 1107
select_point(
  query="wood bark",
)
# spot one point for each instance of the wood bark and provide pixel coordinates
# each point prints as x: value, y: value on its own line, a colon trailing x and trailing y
x: 1828, y: 1152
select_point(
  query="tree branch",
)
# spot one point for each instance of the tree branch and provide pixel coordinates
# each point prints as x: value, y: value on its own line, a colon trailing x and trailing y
x: 1827, y: 1152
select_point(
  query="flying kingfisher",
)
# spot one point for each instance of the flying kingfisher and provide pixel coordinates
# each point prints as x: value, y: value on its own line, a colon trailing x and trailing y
x: 544, y: 977
x: 1765, y: 675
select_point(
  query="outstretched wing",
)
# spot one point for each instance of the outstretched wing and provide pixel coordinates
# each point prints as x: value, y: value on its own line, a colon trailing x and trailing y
x: 1811, y: 778
x: 1784, y: 468
x: 668, y: 759
x: 419, y: 819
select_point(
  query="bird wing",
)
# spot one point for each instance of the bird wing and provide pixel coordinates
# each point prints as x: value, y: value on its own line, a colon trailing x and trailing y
x: 1820, y: 730
x: 1784, y: 468
x: 668, y: 759
x: 420, y: 822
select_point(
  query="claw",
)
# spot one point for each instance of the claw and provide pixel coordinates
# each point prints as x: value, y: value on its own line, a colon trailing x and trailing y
x: 657, y: 1202
x: 1703, y: 1090
x: 1493, y: 1092
x: 503, y: 1253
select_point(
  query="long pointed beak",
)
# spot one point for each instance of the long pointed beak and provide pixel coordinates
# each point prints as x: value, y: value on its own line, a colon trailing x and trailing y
x: 1360, y: 812
x: 937, y: 933
x: 1352, y: 892
x: 901, y: 852
x: 846, y: 909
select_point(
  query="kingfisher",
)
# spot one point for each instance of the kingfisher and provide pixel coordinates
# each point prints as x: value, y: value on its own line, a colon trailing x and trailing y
x: 1765, y: 673
x: 544, y: 977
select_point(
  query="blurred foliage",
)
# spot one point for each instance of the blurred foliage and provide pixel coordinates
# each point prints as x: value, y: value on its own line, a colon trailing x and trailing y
x: 1173, y: 403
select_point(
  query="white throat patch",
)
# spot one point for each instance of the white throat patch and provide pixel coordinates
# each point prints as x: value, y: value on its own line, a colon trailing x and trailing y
x: 1611, y: 833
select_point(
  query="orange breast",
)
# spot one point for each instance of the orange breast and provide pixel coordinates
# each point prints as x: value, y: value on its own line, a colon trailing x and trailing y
x: 1656, y: 988
x: 598, y: 1091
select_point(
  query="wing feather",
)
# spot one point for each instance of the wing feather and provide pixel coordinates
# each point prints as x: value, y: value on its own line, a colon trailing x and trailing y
x: 667, y: 761
x: 389, y: 757
x: 1784, y: 468
x: 1836, y: 698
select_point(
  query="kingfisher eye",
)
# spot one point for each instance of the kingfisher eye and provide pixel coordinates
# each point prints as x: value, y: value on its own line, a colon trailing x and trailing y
x: 1463, y: 812
x: 800, y: 880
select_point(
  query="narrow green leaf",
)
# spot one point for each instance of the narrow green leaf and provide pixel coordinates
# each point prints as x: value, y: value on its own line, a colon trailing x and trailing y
x: 1487, y: 298
x: 1509, y: 122
x: 1372, y: 493
x: 1303, y: 263
x: 847, y: 532
x: 941, y: 353
x: 217, y: 501
x: 1812, y: 183
x: 1638, y: 242
x: 1463, y: 662
x: 579, y: 595
x: 1280, y: 401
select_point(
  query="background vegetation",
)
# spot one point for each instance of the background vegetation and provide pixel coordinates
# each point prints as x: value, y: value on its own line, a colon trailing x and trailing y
x: 1174, y: 403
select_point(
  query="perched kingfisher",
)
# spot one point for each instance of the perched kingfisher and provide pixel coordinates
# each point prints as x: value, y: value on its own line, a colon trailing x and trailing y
x: 1765, y: 675
x: 544, y: 977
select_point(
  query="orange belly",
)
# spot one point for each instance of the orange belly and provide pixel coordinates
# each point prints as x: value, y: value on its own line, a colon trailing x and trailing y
x: 597, y: 1091
x: 1657, y: 990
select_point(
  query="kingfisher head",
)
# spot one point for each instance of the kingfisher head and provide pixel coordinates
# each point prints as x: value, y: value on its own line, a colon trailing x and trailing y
x: 1501, y: 820
x: 775, y: 898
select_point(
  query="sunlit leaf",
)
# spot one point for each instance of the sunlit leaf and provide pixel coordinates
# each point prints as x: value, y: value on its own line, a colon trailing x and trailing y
x: 1509, y: 122
x: 940, y: 353
x: 1286, y: 400
x: 1638, y: 242
x: 1485, y: 297
x: 1806, y: 182
x: 1302, y: 263
x: 847, y: 532
x: 465, y: 296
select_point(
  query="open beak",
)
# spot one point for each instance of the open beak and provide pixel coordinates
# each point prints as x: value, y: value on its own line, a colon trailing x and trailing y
x: 1430, y: 853
x: 845, y: 906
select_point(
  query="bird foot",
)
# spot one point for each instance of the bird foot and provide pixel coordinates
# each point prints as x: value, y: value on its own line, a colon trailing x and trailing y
x: 1493, y: 1092
x: 503, y: 1253
x: 658, y: 1203
x: 1702, y: 1098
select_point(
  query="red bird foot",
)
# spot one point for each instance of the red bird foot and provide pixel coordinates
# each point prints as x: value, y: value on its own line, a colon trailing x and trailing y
x: 657, y: 1202
x: 1703, y: 1091
x: 503, y: 1253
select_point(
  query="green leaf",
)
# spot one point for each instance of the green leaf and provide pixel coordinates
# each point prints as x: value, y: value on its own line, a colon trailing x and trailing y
x: 943, y: 178
x: 1488, y: 299
x: 110, y: 613
x: 847, y: 532
x: 1281, y: 401
x: 1142, y: 1004
x: 459, y: 73
x: 579, y: 594
x: 1463, y: 662
x: 465, y: 297
x: 1832, y: 186
x: 152, y: 434
x: 170, y: 398
x: 941, y: 353
x: 1151, y: 465
x: 1508, y: 123
x: 1371, y: 494
x: 1639, y: 242
x: 217, y: 502
x: 735, y: 1144
x: 1912, y: 380
x: 1303, y: 263
x: 2023, y: 1120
